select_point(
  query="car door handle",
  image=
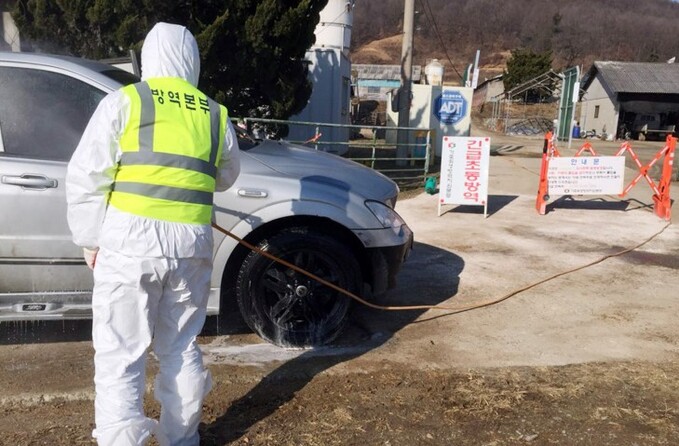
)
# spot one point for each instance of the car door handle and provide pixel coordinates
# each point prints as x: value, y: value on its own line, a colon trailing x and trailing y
x: 30, y: 181
x: 252, y: 193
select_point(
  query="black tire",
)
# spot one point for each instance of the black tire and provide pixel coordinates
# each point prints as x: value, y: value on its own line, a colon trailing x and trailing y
x: 288, y: 308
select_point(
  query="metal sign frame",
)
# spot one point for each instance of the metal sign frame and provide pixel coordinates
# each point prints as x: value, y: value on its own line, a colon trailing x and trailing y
x: 569, y: 97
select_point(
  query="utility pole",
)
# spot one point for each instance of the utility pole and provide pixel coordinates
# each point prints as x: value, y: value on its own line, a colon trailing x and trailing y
x: 406, y: 81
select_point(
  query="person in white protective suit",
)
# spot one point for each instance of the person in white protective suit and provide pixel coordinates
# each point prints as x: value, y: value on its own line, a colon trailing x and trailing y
x: 139, y: 189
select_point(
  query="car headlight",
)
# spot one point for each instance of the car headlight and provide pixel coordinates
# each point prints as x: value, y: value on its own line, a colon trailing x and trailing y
x: 387, y: 217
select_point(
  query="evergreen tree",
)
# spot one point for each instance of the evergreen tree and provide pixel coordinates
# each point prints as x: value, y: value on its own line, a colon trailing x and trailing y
x: 524, y: 65
x: 252, y: 51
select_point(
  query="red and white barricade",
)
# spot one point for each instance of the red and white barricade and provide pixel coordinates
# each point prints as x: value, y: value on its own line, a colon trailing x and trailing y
x: 662, y: 204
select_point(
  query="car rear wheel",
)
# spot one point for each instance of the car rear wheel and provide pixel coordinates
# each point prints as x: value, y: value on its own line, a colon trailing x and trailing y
x: 288, y: 308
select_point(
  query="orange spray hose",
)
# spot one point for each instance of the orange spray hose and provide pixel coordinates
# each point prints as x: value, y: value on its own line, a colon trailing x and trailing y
x: 450, y: 309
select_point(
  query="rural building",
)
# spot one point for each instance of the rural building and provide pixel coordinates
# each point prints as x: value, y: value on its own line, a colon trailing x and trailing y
x: 374, y: 82
x: 488, y: 90
x: 635, y: 97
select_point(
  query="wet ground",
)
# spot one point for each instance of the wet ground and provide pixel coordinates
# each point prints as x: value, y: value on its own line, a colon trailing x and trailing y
x: 579, y: 355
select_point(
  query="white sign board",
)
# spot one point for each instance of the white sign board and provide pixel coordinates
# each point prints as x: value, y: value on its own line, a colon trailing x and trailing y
x: 464, y: 171
x: 586, y: 175
x: 475, y: 78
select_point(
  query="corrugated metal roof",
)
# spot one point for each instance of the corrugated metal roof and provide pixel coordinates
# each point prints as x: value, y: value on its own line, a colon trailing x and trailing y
x: 639, y: 77
x: 384, y: 72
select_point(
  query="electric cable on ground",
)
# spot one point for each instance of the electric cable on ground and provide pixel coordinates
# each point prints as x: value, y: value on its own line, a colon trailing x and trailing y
x: 451, y: 310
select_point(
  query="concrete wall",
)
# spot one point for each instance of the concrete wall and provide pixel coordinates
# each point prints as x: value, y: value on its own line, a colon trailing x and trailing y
x: 423, y: 115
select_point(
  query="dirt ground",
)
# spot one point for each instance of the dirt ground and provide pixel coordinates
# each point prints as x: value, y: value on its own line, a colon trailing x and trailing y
x: 586, y: 358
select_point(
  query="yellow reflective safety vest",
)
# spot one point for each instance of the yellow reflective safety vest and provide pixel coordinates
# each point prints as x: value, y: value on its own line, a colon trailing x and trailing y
x: 170, y: 149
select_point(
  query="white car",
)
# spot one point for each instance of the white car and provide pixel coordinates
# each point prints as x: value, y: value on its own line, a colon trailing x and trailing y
x: 321, y: 212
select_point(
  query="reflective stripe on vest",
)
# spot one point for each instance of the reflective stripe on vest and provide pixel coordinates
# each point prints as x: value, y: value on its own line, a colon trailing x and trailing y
x: 170, y: 147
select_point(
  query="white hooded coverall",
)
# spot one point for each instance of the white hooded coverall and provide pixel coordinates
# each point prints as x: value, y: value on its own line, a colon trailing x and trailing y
x: 151, y: 277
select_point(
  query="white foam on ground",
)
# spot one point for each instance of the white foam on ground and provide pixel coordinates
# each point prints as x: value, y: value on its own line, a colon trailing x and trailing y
x: 250, y: 354
x: 265, y: 353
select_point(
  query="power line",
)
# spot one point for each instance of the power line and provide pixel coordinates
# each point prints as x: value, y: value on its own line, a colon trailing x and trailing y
x: 432, y: 21
x: 425, y: 5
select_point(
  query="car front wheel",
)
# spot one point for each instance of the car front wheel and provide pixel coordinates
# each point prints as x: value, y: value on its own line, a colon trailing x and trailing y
x: 288, y: 308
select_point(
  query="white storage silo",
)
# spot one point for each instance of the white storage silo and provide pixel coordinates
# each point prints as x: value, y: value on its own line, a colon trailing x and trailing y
x: 434, y: 72
x: 334, y: 28
x: 330, y: 74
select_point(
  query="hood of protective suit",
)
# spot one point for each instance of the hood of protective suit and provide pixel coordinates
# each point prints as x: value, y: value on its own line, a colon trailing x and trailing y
x: 170, y: 51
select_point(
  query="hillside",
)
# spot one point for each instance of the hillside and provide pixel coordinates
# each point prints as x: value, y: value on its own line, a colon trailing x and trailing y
x: 388, y: 51
x: 576, y: 31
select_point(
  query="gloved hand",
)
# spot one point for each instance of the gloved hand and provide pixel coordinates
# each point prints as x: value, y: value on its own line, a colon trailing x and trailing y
x: 90, y: 256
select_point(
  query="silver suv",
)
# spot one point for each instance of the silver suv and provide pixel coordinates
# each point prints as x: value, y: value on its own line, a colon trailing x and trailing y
x: 323, y: 213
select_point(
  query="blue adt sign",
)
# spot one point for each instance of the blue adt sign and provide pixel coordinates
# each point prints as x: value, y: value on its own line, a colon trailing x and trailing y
x: 450, y: 107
